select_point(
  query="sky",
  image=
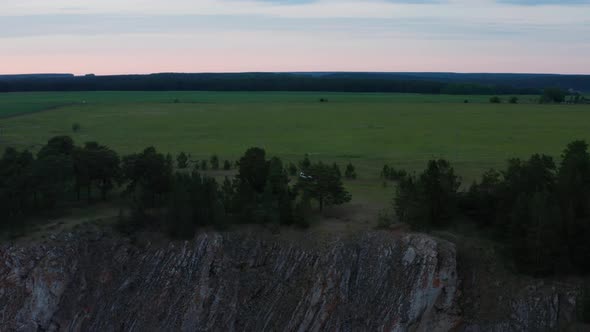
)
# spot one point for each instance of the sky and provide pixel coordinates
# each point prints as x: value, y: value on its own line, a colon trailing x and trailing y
x: 147, y: 36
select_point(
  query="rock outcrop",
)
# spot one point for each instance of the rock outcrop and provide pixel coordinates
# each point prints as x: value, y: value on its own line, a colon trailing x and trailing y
x: 240, y: 281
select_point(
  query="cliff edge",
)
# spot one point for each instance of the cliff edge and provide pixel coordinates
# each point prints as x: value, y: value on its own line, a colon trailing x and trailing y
x: 92, y: 280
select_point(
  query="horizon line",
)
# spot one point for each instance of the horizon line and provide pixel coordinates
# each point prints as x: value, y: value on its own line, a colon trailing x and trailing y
x: 296, y: 72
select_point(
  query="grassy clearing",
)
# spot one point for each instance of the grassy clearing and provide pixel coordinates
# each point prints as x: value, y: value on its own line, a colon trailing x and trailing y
x: 365, y: 129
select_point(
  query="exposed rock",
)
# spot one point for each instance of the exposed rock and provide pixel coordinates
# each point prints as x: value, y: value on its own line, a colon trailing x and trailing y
x: 89, y: 281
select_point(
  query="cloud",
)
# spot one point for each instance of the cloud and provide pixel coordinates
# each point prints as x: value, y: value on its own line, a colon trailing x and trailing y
x: 382, y: 29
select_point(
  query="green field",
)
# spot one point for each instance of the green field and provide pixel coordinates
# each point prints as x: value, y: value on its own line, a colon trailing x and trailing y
x: 366, y: 129
x: 12, y: 104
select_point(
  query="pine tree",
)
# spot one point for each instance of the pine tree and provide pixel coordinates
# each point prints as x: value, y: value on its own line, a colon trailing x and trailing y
x: 182, y: 161
x: 323, y: 184
x: 214, y: 162
x: 350, y: 172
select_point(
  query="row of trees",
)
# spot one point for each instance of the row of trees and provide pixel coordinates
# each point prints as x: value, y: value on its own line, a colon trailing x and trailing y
x: 156, y: 194
x: 498, y: 100
x: 550, y: 95
x: 557, y: 95
x: 59, y: 173
x: 538, y: 209
x: 344, y: 82
x: 260, y: 193
x: 183, y: 161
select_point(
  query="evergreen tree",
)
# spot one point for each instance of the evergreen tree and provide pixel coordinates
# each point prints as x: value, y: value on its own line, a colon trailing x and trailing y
x: 323, y: 184
x: 292, y: 169
x: 385, y: 172
x: 337, y: 170
x: 228, y: 194
x: 98, y: 166
x: 431, y: 199
x: 148, y: 176
x: 182, y: 161
x: 253, y: 169
x: 226, y: 165
x: 573, y: 182
x: 180, y: 214
x: 305, y: 163
x: 279, y: 183
x: 214, y: 162
x: 17, y: 186
x: 350, y: 172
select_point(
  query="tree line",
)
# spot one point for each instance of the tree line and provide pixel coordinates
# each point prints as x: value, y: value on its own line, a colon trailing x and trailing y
x: 550, y: 96
x: 254, y: 82
x: 156, y: 194
x: 539, y: 210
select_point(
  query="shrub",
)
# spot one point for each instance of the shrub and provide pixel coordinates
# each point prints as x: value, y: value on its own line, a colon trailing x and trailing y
x: 495, y: 100
x: 385, y: 219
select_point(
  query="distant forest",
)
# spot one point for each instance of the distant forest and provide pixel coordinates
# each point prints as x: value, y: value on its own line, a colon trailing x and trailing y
x: 431, y: 83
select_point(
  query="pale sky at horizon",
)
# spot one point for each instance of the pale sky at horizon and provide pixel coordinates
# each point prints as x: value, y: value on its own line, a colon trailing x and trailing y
x: 147, y: 36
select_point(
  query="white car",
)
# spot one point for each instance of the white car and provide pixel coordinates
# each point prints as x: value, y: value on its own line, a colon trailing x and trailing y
x: 306, y: 177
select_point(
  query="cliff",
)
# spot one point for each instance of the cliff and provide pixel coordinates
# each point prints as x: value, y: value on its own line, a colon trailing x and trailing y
x: 92, y: 280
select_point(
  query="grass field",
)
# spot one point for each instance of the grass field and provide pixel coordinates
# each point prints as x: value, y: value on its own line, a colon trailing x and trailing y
x: 12, y: 104
x: 367, y: 129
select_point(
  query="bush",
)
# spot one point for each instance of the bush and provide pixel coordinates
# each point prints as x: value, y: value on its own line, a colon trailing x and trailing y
x: 385, y: 219
x: 76, y: 127
x: 495, y: 100
x: 513, y: 100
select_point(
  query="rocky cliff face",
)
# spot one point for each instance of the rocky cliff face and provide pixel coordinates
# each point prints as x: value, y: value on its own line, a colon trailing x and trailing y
x: 239, y: 281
